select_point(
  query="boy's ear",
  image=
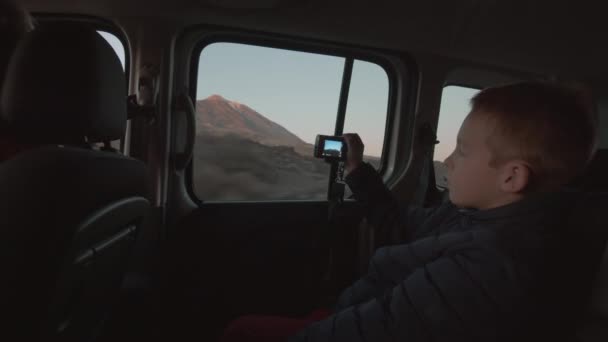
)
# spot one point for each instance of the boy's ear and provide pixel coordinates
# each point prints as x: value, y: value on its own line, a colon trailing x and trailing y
x: 515, y: 176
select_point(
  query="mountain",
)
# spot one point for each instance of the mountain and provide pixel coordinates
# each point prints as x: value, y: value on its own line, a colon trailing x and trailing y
x: 242, y: 155
x: 217, y: 116
x: 242, y: 169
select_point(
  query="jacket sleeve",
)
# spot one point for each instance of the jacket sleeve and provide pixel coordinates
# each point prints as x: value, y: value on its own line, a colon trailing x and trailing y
x: 390, y: 220
x: 447, y: 299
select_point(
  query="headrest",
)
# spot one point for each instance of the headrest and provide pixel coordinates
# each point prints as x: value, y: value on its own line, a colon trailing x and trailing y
x: 65, y: 85
x: 15, y: 21
x: 595, y: 177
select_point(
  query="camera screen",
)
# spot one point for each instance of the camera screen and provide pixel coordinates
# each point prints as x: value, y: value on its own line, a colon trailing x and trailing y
x: 332, y: 148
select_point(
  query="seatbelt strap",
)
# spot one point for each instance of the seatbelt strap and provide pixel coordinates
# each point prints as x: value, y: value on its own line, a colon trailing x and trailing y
x: 336, y: 191
x: 335, y: 200
x: 428, y: 140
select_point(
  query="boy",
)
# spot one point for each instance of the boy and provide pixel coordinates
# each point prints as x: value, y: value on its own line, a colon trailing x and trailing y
x: 486, y: 265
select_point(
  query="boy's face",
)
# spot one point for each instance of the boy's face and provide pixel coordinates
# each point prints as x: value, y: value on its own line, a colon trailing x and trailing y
x: 472, y: 182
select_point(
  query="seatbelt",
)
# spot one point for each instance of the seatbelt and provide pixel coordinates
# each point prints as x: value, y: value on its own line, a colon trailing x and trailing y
x: 335, y: 194
x: 142, y: 107
x: 335, y: 201
x: 142, y: 111
x: 136, y: 110
x: 428, y: 140
x: 336, y: 190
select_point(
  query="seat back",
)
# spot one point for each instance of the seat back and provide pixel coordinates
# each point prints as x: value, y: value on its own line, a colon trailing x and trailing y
x: 67, y: 220
x: 593, y: 325
x: 89, y: 280
x: 68, y: 213
x: 595, y: 178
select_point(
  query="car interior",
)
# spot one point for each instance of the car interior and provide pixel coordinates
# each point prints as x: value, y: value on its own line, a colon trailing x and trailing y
x: 172, y: 185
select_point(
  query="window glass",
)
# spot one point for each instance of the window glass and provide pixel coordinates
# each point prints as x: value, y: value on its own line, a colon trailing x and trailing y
x: 454, y: 108
x: 258, y: 112
x: 367, y: 108
x: 116, y: 44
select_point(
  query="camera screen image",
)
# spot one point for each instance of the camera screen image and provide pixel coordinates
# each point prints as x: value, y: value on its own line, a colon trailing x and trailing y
x: 332, y: 148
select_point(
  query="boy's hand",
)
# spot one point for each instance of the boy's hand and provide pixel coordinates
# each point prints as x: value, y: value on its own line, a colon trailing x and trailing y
x: 354, y: 156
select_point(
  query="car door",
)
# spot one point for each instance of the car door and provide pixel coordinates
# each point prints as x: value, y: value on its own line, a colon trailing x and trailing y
x: 256, y: 223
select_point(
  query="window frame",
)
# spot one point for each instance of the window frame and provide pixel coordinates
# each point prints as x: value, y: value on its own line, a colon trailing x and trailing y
x: 370, y: 55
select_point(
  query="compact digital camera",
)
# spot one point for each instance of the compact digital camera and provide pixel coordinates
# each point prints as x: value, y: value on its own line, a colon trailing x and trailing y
x: 330, y: 148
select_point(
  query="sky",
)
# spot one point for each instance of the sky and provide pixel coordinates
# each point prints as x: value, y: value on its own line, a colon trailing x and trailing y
x: 116, y: 45
x: 454, y: 108
x: 300, y: 91
x: 333, y: 145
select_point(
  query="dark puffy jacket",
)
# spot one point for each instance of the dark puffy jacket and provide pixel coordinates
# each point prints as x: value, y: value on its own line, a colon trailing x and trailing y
x: 504, y: 274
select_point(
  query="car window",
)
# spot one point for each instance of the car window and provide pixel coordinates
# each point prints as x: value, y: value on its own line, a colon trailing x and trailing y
x: 367, y: 107
x: 258, y: 111
x: 454, y: 108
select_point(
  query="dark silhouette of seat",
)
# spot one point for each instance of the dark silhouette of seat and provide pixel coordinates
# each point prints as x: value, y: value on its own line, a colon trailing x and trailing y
x: 592, y: 222
x: 69, y: 214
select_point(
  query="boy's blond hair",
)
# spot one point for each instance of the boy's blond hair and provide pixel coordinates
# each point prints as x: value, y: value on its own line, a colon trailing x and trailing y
x: 551, y: 127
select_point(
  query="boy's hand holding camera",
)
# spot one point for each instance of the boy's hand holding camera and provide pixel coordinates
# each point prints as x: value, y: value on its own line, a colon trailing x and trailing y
x: 354, y: 158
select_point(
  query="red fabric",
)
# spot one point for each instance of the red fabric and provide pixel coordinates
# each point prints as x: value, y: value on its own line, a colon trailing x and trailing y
x: 258, y: 328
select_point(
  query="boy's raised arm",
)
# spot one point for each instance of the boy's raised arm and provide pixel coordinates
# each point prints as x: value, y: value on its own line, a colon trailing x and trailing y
x: 382, y: 211
x: 392, y: 222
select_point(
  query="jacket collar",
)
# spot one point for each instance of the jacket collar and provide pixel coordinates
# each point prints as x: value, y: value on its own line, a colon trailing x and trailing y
x: 532, y: 203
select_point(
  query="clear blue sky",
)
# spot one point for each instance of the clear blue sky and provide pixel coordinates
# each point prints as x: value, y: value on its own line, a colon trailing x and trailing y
x: 297, y: 90
x: 300, y: 91
x: 333, y: 145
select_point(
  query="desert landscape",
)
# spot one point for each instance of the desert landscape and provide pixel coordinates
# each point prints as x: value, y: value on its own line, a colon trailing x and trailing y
x: 242, y: 155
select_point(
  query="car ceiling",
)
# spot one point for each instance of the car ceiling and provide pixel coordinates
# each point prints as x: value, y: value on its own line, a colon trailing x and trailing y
x: 564, y: 38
